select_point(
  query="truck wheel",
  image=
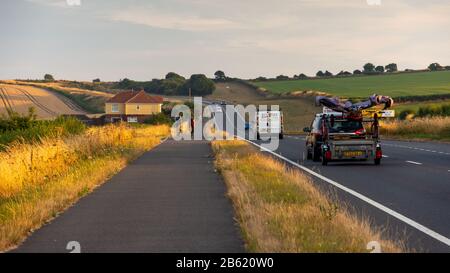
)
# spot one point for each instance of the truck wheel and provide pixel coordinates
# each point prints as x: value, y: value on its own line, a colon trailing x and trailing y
x: 308, y: 154
x: 377, y: 161
x: 324, y: 161
x: 316, y: 151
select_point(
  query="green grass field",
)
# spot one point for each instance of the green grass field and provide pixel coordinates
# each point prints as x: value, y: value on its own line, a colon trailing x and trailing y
x: 395, y: 85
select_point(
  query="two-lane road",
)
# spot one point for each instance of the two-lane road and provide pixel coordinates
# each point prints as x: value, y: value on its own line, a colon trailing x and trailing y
x: 407, y: 196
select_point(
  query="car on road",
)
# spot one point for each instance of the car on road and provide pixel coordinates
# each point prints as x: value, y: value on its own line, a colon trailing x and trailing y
x: 335, y: 136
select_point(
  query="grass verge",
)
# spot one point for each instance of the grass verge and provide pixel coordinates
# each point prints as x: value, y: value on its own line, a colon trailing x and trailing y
x: 432, y: 128
x: 279, y: 209
x: 38, y: 181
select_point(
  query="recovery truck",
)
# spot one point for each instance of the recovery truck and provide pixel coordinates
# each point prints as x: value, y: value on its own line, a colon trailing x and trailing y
x: 350, y: 136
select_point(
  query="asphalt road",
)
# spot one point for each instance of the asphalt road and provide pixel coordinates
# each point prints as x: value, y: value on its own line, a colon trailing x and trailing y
x: 413, y: 180
x: 169, y: 200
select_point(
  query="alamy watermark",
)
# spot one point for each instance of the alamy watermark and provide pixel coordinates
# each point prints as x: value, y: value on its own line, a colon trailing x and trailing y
x: 373, y: 2
x: 73, y: 3
x: 228, y: 122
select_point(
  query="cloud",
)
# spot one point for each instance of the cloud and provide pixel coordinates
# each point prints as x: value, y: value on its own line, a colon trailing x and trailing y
x: 156, y: 19
x: 53, y: 3
x: 252, y: 37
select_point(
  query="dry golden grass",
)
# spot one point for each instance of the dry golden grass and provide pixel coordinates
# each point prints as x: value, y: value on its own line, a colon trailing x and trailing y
x: 418, y: 128
x: 279, y: 209
x: 39, y: 181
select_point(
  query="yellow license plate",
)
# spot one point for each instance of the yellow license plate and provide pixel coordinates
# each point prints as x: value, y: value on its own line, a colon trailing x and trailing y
x: 341, y: 137
x: 353, y: 153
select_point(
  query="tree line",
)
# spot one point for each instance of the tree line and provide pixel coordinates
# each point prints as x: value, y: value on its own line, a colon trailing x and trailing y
x: 368, y: 69
x: 172, y: 84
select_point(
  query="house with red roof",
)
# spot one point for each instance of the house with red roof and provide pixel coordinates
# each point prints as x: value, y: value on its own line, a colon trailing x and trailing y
x: 132, y: 106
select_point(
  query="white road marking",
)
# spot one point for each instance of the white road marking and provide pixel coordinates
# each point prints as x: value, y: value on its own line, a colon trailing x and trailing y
x: 415, y: 148
x: 385, y: 156
x: 381, y: 207
x: 414, y: 162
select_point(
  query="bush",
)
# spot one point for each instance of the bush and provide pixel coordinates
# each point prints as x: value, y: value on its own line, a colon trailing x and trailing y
x: 405, y: 113
x: 158, y: 119
x: 433, y: 111
x: 27, y: 129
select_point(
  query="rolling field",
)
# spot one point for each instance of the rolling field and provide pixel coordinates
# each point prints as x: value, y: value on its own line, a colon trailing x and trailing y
x: 395, y: 85
x: 297, y: 111
x: 88, y: 100
x: 47, y: 104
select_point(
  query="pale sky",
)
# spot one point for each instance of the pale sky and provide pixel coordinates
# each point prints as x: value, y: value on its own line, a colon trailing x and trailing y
x: 114, y: 39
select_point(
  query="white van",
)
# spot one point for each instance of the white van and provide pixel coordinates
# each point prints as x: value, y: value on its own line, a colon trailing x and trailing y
x: 270, y: 123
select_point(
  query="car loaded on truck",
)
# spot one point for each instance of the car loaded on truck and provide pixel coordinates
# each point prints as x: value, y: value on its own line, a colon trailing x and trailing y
x: 347, y: 131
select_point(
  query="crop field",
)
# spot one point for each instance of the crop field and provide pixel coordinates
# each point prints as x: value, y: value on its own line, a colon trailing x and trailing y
x: 88, y: 101
x: 395, y: 85
x: 47, y: 105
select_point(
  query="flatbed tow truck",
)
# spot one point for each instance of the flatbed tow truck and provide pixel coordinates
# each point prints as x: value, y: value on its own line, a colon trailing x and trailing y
x: 348, y: 132
x: 362, y: 144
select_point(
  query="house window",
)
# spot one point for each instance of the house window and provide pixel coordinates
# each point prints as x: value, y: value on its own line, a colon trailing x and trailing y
x: 132, y: 119
x: 115, y: 108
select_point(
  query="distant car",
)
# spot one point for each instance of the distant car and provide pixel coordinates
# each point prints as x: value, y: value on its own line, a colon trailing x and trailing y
x: 223, y: 103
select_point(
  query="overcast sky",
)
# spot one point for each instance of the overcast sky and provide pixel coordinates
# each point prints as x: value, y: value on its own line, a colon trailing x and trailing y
x: 113, y: 39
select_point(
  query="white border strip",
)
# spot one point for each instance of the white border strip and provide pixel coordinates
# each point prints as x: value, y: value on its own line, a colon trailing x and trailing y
x: 389, y: 211
x: 413, y: 162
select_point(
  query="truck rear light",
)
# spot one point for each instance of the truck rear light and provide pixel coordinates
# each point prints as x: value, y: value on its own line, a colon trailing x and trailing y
x: 378, y: 154
x: 360, y: 132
